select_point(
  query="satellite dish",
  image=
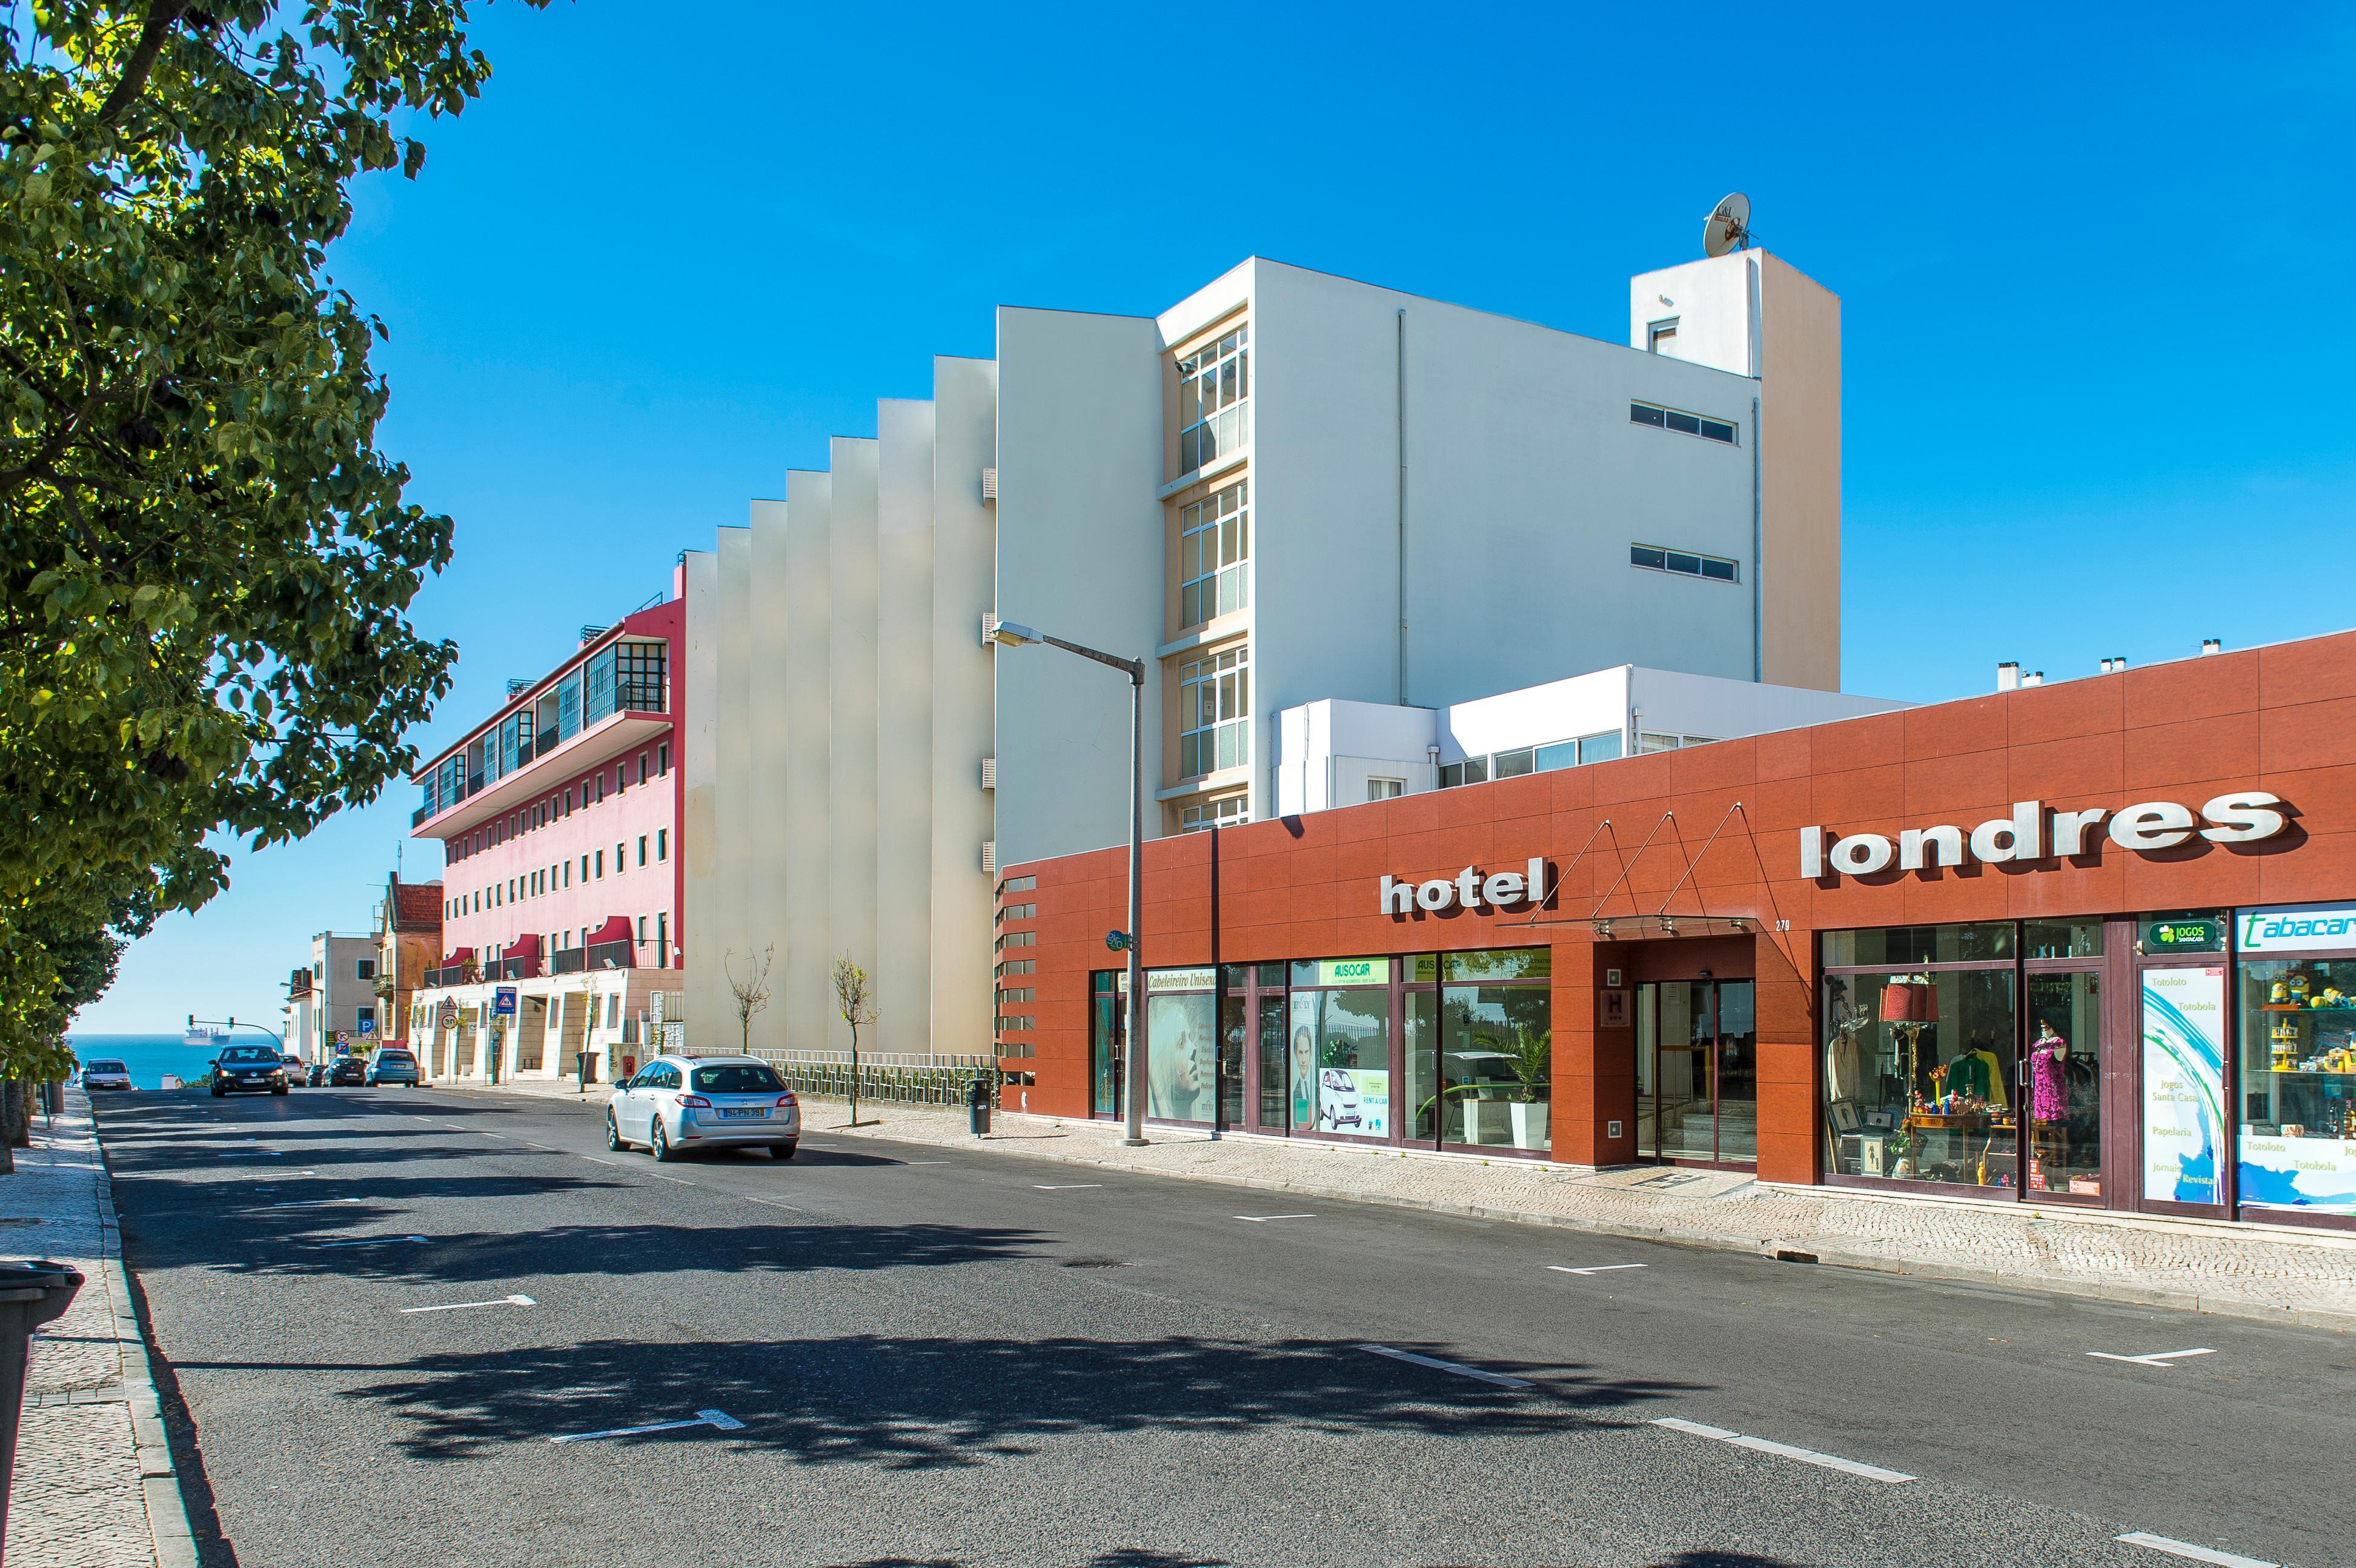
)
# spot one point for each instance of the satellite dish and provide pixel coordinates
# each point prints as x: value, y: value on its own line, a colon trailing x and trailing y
x: 1728, y: 227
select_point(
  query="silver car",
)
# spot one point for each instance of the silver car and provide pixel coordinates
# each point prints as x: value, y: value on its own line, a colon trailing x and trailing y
x: 105, y: 1072
x: 676, y: 1103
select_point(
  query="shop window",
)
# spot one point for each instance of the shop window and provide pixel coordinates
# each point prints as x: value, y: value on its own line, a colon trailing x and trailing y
x: 1214, y: 548
x: 1339, y: 1018
x: 1920, y: 1074
x: 2297, y: 1084
x: 1683, y: 562
x: 1215, y: 713
x: 1180, y: 1044
x: 2061, y: 939
x: 1215, y: 401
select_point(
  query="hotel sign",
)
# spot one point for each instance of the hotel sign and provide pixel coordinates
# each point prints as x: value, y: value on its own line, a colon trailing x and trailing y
x: 1469, y: 889
x: 2031, y: 833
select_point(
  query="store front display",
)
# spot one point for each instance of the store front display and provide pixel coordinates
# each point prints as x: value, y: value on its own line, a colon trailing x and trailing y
x: 2296, y: 984
x: 1938, y: 952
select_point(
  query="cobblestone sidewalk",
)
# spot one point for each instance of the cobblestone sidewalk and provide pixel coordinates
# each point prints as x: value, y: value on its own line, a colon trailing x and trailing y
x: 94, y: 1486
x: 2239, y: 1270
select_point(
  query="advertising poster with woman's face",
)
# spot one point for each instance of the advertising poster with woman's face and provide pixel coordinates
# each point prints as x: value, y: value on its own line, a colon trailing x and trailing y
x: 1181, y: 1061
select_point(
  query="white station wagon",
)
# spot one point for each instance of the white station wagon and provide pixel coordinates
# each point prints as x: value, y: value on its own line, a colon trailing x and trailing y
x: 676, y: 1103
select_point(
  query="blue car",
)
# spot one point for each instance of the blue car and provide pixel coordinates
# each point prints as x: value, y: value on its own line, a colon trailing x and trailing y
x: 392, y: 1064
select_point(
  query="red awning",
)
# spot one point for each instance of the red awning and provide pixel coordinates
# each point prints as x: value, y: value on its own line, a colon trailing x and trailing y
x: 526, y: 945
x: 457, y: 955
x: 616, y: 928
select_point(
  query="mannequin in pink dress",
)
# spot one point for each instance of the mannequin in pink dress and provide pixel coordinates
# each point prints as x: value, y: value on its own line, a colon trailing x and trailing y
x: 2049, y: 1103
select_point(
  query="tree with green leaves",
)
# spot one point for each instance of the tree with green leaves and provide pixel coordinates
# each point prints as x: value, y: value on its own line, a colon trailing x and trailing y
x: 856, y: 1003
x: 206, y: 563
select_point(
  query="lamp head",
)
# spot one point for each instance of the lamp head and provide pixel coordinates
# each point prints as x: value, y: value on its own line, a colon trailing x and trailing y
x: 1013, y: 634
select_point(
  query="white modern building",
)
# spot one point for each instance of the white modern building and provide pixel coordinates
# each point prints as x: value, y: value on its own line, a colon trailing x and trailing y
x: 1340, y: 753
x: 1288, y: 491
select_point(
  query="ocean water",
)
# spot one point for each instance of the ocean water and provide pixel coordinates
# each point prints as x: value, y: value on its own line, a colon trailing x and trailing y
x: 150, y: 1056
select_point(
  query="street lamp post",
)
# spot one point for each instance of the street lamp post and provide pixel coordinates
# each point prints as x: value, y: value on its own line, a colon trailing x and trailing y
x: 1010, y: 634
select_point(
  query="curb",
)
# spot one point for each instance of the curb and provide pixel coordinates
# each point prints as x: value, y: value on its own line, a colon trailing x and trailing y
x: 1713, y: 1241
x: 168, y: 1512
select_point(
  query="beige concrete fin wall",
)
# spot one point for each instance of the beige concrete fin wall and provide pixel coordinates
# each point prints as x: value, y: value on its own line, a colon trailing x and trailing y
x: 701, y: 934
x: 765, y: 827
x: 731, y: 880
x: 1080, y: 551
x: 965, y: 557
x: 851, y: 556
x: 802, y: 796
x: 1800, y: 474
x: 902, y: 822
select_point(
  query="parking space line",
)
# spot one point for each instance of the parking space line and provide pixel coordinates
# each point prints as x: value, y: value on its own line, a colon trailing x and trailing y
x: 2163, y: 1360
x: 1068, y: 1187
x: 2192, y: 1554
x: 1264, y: 1218
x: 1805, y: 1456
x: 1437, y: 1365
x: 714, y: 1418
x: 1595, y: 1268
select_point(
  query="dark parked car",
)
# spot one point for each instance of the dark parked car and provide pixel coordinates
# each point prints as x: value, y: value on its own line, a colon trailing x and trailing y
x: 317, y: 1075
x: 254, y: 1068
x: 391, y: 1065
x: 347, y: 1072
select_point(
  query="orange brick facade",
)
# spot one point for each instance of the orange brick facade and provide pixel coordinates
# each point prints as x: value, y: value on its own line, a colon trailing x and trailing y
x: 2279, y: 719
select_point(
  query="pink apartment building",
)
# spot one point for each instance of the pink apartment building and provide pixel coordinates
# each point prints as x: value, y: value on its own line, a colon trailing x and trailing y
x: 558, y: 822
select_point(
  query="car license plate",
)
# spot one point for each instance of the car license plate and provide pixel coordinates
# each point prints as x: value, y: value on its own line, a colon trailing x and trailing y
x: 736, y: 1113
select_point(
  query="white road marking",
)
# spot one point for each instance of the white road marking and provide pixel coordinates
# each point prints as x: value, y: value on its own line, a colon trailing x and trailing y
x: 924, y: 1162
x: 600, y: 1159
x: 1069, y: 1186
x: 1805, y: 1456
x: 2163, y: 1360
x: 313, y: 1203
x: 1595, y: 1268
x: 771, y: 1202
x: 1463, y: 1372
x: 719, y: 1418
x: 251, y: 1155
x: 374, y: 1240
x: 2191, y: 1553
x: 1264, y: 1218
x: 460, y: 1305
x: 680, y: 1179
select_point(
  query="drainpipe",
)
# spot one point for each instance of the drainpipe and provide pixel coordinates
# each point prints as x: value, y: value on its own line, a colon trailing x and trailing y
x: 1400, y: 403
x: 1758, y: 629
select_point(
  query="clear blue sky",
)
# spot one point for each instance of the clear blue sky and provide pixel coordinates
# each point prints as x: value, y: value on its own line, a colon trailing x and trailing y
x: 2090, y: 268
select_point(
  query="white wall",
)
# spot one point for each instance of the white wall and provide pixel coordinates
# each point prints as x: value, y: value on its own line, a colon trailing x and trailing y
x: 851, y: 555
x: 732, y: 716
x: 965, y: 556
x: 1559, y: 709
x: 702, y: 932
x: 803, y: 796
x: 1080, y: 540
x: 1327, y: 751
x: 901, y: 822
x: 764, y: 828
x: 1687, y: 704
x: 1526, y: 484
x: 1715, y: 302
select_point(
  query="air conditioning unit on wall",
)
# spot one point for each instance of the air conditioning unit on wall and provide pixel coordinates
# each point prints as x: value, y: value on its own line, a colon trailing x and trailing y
x: 990, y: 857
x: 990, y: 773
x: 990, y: 484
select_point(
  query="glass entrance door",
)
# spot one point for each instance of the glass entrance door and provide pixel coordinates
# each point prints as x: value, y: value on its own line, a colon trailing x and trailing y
x: 2062, y: 1079
x: 1697, y: 1072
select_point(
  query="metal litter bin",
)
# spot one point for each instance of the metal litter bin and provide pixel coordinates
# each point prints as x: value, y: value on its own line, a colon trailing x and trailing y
x: 977, y: 1106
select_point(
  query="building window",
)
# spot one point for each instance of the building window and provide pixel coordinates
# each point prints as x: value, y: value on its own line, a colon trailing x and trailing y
x: 642, y: 927
x: 662, y: 843
x: 1017, y: 939
x: 585, y: 868
x: 1654, y: 740
x: 568, y: 874
x: 364, y: 969
x: 1215, y: 713
x: 638, y: 677
x: 662, y: 941
x: 1653, y: 558
x: 1017, y: 966
x: 1021, y: 993
x: 1214, y: 545
x: 642, y: 767
x: 1018, y: 912
x: 1685, y: 423
x: 662, y: 759
x: 621, y: 858
x: 1227, y: 812
x: 1386, y: 788
x: 601, y: 866
x: 1213, y: 397
x: 642, y: 848
x: 1661, y: 338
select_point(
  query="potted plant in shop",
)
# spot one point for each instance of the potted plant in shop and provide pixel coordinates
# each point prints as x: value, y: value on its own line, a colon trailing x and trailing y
x: 1532, y: 1059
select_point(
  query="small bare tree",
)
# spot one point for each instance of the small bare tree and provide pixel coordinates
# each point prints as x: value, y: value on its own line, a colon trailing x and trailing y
x: 752, y: 993
x: 857, y: 1007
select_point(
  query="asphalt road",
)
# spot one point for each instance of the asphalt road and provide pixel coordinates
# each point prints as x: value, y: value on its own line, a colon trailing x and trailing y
x: 949, y: 1357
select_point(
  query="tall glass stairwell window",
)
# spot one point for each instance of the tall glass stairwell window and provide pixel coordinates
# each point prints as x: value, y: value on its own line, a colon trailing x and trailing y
x: 1215, y: 400
x: 1215, y: 713
x: 1214, y: 553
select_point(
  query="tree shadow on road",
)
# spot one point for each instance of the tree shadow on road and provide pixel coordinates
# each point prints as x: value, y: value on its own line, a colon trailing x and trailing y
x: 917, y: 1404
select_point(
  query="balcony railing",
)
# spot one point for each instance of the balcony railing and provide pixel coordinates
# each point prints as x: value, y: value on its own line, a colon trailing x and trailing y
x: 524, y: 968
